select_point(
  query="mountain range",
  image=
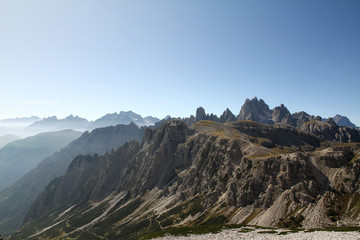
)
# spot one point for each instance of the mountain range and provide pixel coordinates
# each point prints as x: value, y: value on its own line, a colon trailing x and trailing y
x: 24, y: 122
x: 253, y: 109
x: 53, y: 124
x: 123, y: 118
x: 24, y: 127
x: 265, y: 167
x: 257, y: 110
x: 16, y: 126
x: 241, y: 172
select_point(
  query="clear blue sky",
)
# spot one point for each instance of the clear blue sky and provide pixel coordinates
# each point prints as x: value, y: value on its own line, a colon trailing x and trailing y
x: 89, y: 58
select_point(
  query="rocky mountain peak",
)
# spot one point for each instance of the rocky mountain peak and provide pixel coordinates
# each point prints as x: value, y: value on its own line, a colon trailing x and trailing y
x: 72, y: 117
x: 343, y: 121
x: 200, y: 114
x: 255, y: 110
x: 318, y: 118
x: 173, y: 132
x: 53, y: 118
x: 282, y: 115
x: 331, y: 122
x: 227, y: 116
x: 262, y: 102
x: 301, y: 118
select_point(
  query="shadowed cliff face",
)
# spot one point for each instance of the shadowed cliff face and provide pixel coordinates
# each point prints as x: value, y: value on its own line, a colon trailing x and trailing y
x: 240, y: 172
x: 131, y: 167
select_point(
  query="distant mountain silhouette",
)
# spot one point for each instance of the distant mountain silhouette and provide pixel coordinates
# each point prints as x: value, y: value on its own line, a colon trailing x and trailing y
x: 55, y: 124
x: 25, y: 121
x: 16, y: 126
x: 24, y: 127
x: 123, y: 118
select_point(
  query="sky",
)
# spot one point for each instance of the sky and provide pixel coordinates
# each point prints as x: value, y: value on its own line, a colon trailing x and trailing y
x: 160, y: 57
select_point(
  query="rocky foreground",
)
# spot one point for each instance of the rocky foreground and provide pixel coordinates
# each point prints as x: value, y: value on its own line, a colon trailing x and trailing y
x: 267, y: 234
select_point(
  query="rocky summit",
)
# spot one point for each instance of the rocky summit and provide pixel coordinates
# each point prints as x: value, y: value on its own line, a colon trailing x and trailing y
x: 255, y: 110
x: 343, y: 121
x: 338, y: 129
x: 196, y: 173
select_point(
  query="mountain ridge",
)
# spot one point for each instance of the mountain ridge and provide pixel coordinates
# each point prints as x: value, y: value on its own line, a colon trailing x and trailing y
x: 25, y: 127
x: 248, y: 111
x: 239, y: 172
x: 170, y: 160
x: 123, y: 117
x: 257, y: 110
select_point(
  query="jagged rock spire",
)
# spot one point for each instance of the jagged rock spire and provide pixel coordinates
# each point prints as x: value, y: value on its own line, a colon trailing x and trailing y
x: 227, y: 116
x: 255, y: 110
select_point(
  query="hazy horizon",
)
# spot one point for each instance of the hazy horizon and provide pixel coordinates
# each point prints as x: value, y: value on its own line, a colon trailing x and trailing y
x: 194, y: 113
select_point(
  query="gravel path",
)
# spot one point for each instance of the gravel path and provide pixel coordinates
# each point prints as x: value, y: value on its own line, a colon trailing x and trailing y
x: 258, y: 234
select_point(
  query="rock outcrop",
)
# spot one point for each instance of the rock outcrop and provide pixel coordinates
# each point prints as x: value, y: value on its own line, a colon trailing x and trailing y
x: 282, y: 115
x: 227, y: 116
x: 343, y: 121
x: 256, y: 110
x: 200, y: 115
x: 329, y: 130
